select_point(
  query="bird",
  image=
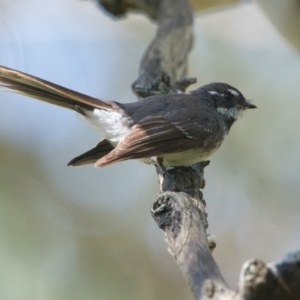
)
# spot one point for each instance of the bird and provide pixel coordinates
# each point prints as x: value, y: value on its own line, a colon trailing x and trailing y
x: 167, y: 130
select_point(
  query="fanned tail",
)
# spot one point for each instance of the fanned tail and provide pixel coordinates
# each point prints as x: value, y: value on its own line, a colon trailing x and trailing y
x: 49, y: 92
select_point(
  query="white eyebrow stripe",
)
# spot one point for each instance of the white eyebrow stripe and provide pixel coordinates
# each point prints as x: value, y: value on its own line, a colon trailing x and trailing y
x: 215, y: 93
x: 233, y: 92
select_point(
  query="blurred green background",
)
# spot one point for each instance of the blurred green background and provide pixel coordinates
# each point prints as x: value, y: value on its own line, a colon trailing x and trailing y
x: 86, y: 233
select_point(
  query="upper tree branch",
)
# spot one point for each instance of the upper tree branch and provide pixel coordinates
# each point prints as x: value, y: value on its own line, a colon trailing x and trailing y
x: 164, y: 65
x: 168, y: 52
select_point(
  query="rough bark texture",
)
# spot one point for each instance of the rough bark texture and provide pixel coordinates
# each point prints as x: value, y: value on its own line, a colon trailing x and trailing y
x: 167, y: 54
x: 180, y: 208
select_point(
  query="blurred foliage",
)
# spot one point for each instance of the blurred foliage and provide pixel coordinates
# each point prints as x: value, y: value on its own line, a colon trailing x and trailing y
x: 47, y: 254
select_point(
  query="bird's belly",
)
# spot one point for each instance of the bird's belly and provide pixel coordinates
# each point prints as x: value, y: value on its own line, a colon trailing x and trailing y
x: 184, y: 158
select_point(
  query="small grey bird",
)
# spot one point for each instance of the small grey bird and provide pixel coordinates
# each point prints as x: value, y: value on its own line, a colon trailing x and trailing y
x: 168, y: 130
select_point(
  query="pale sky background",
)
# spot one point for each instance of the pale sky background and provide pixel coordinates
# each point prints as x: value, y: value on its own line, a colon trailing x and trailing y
x: 86, y: 233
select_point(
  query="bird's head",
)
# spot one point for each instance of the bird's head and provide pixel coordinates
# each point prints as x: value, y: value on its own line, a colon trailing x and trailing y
x: 227, y: 100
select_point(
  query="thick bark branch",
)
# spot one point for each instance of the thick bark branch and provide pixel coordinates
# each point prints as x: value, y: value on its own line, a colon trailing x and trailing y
x: 276, y: 281
x: 166, y: 57
x: 120, y: 7
x: 183, y: 217
x: 164, y: 64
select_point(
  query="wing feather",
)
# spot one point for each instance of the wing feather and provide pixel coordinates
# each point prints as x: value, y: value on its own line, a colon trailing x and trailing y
x: 91, y: 156
x: 156, y: 136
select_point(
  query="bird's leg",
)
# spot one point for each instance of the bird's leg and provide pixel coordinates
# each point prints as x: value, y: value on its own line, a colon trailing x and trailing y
x: 172, y: 183
x: 159, y: 163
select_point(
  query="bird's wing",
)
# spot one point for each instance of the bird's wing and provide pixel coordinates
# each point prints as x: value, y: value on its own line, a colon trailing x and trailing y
x: 35, y: 87
x: 156, y: 136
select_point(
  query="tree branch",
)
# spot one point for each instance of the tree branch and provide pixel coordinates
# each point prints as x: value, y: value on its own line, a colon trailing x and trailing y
x: 183, y: 217
x: 165, y: 60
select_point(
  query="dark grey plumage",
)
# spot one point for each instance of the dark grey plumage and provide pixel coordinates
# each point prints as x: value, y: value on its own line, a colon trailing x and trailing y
x: 178, y: 129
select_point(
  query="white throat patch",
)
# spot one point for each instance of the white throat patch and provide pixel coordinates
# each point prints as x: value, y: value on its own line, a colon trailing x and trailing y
x: 233, y: 112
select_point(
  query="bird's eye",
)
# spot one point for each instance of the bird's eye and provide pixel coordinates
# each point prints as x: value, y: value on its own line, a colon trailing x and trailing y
x: 228, y: 96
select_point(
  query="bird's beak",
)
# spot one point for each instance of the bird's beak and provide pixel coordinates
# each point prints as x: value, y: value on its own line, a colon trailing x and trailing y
x: 249, y: 105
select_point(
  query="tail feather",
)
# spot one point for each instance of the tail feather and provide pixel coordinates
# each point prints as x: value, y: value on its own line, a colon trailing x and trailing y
x: 35, y: 87
x: 93, y: 155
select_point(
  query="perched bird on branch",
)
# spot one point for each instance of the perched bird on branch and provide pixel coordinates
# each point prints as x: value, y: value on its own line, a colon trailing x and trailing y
x: 166, y: 130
